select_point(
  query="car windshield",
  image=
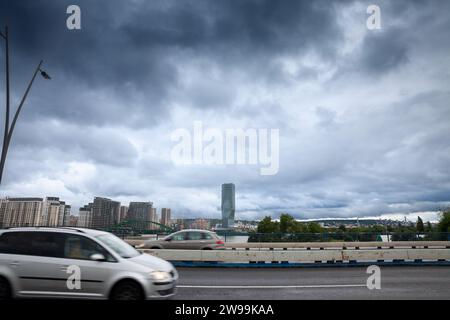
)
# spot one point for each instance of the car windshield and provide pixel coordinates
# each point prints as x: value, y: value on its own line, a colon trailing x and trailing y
x: 119, y: 246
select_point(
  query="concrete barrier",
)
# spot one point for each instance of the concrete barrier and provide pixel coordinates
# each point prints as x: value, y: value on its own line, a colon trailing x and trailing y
x: 301, y: 255
x: 327, y: 245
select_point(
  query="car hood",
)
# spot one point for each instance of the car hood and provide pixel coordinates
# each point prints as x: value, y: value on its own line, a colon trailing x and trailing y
x: 152, y: 262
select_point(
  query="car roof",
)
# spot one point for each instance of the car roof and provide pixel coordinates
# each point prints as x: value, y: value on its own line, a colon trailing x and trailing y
x: 91, y: 232
x: 195, y: 230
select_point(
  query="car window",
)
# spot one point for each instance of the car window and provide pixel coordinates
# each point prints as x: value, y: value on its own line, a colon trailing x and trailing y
x: 179, y: 236
x: 44, y: 244
x: 193, y: 236
x: 207, y: 236
x: 82, y: 248
x: 14, y: 243
x: 118, y: 245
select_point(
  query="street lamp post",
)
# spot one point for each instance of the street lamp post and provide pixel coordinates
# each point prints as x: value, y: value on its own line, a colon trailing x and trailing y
x: 10, y: 129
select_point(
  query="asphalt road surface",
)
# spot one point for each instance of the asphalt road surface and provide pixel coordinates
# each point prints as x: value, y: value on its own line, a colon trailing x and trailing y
x: 315, y: 283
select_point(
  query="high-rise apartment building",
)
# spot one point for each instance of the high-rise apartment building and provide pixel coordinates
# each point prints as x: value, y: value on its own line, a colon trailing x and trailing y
x: 21, y: 212
x: 64, y: 214
x: 54, y: 212
x: 67, y: 214
x: 85, y: 216
x: 105, y: 213
x: 228, y: 205
x: 153, y: 217
x: 165, y: 216
x: 123, y: 213
x: 50, y: 212
x: 139, y: 211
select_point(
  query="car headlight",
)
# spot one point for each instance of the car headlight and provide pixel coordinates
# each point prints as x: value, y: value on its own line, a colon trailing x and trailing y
x: 160, y: 275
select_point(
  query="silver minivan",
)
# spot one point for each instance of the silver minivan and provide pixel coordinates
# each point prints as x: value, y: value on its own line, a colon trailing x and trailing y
x: 79, y: 263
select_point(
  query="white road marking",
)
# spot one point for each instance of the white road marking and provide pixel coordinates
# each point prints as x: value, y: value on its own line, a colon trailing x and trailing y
x: 274, y: 287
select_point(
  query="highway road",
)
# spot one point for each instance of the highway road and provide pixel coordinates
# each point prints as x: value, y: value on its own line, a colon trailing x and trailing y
x: 313, y: 283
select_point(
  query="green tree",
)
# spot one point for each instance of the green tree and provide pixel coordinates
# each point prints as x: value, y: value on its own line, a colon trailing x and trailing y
x: 419, y: 225
x: 266, y: 225
x: 429, y: 227
x: 314, y: 227
x: 444, y: 222
x: 377, y: 229
x: 287, y: 223
x: 300, y: 227
x: 342, y: 228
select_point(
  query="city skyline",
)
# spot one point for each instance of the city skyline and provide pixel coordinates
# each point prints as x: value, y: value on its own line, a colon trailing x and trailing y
x: 362, y: 114
x: 76, y: 211
x: 102, y: 213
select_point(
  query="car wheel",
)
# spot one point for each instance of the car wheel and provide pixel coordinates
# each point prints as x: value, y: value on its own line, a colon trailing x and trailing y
x: 127, y: 290
x: 5, y: 289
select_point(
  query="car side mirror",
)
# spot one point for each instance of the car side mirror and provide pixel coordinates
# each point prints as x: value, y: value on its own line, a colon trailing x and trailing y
x: 97, y: 257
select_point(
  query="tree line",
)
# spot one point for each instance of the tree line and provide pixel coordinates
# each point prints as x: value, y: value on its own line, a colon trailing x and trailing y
x: 287, y: 228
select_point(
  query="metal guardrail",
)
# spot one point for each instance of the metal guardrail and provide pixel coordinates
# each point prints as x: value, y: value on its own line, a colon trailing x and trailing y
x: 340, y: 245
x: 341, y: 236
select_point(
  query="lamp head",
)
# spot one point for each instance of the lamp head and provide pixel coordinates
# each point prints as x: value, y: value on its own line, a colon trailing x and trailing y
x: 45, y: 75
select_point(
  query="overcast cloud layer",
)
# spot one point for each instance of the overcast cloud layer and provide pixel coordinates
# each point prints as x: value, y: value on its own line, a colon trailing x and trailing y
x: 363, y: 115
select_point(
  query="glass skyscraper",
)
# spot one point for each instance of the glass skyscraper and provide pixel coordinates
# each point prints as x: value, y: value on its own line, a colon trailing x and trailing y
x: 228, y: 205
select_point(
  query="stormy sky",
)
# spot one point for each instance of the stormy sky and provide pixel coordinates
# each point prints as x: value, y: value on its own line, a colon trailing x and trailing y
x: 363, y: 115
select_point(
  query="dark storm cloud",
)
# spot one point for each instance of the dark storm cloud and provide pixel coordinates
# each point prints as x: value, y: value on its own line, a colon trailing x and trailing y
x: 136, y: 48
x: 229, y: 29
x: 98, y: 56
x: 383, y: 52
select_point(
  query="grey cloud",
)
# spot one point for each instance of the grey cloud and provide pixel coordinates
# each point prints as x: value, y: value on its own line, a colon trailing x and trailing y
x: 384, y: 51
x: 139, y: 53
x: 82, y: 143
x: 131, y: 64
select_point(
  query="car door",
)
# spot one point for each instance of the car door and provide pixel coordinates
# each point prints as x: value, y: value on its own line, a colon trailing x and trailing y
x: 77, y: 251
x: 194, y: 240
x: 35, y: 260
x: 11, y: 252
x: 177, y: 241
